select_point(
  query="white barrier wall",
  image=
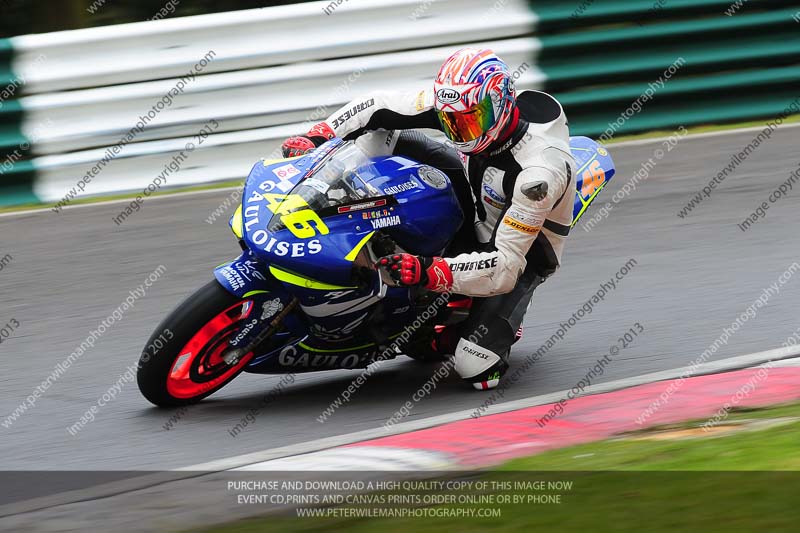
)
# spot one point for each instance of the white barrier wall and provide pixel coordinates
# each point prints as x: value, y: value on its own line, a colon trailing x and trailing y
x: 268, y: 73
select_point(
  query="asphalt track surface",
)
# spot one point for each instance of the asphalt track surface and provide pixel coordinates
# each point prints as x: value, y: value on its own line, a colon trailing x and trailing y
x: 693, y: 277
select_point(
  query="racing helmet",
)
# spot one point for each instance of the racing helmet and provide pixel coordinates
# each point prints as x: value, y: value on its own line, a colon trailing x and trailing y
x: 474, y: 99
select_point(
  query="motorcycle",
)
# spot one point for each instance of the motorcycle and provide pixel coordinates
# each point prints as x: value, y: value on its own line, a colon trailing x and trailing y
x: 304, y: 295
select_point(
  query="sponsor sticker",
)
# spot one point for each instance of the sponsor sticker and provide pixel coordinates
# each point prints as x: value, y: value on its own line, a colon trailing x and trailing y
x: 242, y: 334
x: 286, y: 171
x: 448, y: 96
x: 316, y: 184
x: 249, y: 270
x: 403, y: 187
x: 494, y: 194
x: 291, y: 357
x: 519, y: 226
x: 420, y: 103
x: 360, y: 207
x: 387, y: 222
x: 493, y: 203
x: 369, y: 215
x: 233, y: 278
x: 271, y: 308
x: 238, y: 274
x: 531, y: 219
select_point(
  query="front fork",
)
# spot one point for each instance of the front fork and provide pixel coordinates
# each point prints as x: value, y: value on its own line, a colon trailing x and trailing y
x: 233, y: 355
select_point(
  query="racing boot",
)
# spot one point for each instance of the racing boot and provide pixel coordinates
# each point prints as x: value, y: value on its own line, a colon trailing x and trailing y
x: 481, y: 367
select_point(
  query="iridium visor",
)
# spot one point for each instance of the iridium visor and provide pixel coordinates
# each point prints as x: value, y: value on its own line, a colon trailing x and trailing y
x: 466, y: 126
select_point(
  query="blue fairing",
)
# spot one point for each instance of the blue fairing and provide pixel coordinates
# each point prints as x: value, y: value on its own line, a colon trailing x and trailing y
x: 415, y: 205
x: 429, y: 216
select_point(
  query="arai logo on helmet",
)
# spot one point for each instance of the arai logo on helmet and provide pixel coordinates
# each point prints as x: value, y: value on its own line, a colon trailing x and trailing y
x: 448, y: 96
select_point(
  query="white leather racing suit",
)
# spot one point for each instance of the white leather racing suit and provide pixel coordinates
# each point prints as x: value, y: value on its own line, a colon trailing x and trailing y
x: 522, y: 194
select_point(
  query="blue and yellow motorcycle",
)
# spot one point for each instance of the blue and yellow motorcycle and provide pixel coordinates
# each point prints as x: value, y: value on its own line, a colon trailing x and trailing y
x: 305, y: 295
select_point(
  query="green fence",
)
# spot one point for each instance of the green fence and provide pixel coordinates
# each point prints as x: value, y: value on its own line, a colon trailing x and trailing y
x: 600, y: 59
x: 16, y: 169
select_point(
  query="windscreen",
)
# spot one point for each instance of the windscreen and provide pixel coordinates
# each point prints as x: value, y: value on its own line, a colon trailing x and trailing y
x: 341, y: 179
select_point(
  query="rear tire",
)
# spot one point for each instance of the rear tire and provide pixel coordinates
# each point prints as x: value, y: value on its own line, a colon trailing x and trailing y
x: 197, y: 331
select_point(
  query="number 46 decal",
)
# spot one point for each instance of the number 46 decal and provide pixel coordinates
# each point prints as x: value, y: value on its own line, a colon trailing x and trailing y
x: 303, y: 223
x: 593, y: 178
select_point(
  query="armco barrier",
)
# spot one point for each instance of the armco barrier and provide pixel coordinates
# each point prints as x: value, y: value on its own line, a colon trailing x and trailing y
x: 84, y: 90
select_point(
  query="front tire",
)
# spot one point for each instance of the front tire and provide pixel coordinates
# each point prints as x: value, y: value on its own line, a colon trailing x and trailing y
x: 181, y: 363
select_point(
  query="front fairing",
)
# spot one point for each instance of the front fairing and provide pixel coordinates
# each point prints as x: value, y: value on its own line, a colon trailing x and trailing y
x: 308, y: 218
x: 290, y: 235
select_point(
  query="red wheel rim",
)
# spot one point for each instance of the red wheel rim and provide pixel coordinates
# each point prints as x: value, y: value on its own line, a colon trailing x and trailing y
x: 199, y: 367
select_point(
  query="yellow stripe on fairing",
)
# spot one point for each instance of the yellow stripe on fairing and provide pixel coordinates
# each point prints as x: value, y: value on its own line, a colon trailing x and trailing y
x: 586, y: 203
x: 253, y: 293
x: 591, y: 198
x: 268, y: 162
x: 300, y: 281
x: 237, y: 224
x: 354, y: 252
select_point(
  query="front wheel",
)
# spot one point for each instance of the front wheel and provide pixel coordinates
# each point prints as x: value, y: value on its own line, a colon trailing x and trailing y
x: 182, y: 362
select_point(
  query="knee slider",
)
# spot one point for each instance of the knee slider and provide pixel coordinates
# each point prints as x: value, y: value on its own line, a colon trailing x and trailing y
x: 472, y: 360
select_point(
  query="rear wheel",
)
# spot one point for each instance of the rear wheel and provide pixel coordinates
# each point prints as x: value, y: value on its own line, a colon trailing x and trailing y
x: 182, y: 362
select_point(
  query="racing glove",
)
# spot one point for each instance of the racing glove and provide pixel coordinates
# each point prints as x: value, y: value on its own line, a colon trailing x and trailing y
x: 303, y: 144
x: 432, y: 273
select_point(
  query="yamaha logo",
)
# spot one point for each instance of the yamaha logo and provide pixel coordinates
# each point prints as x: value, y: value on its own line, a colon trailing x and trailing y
x: 448, y: 96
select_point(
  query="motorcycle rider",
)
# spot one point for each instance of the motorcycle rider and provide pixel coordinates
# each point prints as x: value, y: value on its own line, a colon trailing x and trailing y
x: 514, y: 150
